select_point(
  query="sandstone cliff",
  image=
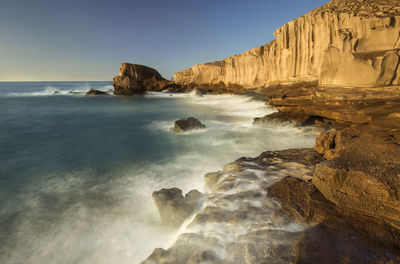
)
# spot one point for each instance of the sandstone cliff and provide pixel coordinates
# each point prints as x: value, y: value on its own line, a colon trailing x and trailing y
x: 343, y: 43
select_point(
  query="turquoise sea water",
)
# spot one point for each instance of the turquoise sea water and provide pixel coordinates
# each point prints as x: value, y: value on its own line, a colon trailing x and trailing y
x: 77, y: 172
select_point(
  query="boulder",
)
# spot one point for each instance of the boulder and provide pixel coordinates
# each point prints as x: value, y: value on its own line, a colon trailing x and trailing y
x: 173, y: 207
x: 96, y: 92
x: 186, y: 124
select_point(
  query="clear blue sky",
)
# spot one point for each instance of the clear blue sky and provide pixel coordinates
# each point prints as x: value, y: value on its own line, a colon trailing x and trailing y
x: 87, y: 39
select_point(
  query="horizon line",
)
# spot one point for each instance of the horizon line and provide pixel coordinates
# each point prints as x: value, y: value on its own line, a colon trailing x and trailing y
x: 59, y: 81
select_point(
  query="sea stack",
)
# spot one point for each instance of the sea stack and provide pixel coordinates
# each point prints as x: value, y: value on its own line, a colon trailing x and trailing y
x: 137, y: 79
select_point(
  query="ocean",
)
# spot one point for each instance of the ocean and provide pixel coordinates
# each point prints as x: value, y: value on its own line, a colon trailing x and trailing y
x: 77, y: 172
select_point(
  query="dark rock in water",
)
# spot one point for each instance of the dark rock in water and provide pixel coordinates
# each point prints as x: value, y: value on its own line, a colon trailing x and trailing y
x: 186, y: 124
x: 56, y: 92
x: 173, y: 207
x: 72, y: 92
x: 96, y: 92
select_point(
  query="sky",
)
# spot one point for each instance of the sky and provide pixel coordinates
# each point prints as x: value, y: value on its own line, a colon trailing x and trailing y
x: 86, y: 40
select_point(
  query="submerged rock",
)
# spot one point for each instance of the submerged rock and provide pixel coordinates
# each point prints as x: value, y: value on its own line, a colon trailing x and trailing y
x: 96, y: 92
x: 173, y: 207
x: 186, y: 124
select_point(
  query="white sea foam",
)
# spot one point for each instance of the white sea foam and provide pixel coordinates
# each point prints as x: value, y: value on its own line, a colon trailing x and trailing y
x: 50, y: 90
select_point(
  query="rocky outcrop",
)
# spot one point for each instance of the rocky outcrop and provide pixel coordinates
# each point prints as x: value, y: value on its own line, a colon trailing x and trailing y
x: 241, y: 222
x: 186, y: 124
x: 362, y: 177
x: 173, y: 207
x: 238, y: 222
x: 137, y: 79
x: 343, y: 43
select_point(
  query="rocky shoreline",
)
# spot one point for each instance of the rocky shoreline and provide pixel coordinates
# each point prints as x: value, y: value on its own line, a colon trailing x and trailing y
x: 332, y: 206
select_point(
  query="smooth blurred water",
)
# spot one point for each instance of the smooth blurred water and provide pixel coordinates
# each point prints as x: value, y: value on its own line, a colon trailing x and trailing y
x: 77, y: 172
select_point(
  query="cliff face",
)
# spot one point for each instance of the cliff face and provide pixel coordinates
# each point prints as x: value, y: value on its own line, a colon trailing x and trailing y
x: 343, y: 43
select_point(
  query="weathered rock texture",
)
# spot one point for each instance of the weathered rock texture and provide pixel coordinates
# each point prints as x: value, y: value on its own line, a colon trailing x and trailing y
x: 332, y: 238
x: 380, y: 106
x: 343, y: 43
x: 137, y: 79
x: 362, y: 177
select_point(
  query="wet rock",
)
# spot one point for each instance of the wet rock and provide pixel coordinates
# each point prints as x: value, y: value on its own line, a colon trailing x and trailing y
x: 233, y: 167
x: 173, y: 207
x: 96, y: 92
x: 238, y: 223
x: 56, y: 92
x: 186, y: 124
x: 211, y: 179
x: 190, y: 248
